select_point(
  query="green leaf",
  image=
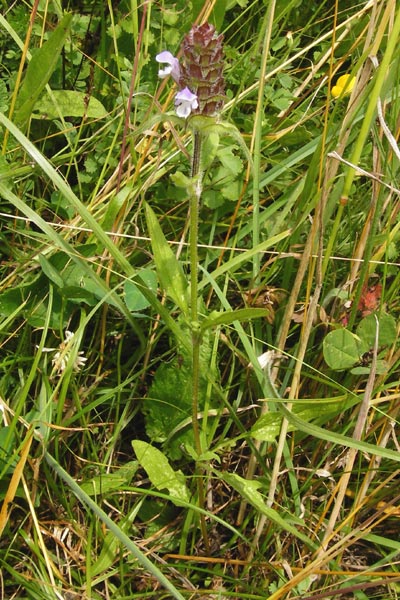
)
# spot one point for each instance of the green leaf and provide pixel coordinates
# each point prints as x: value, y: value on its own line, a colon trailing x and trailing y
x: 181, y: 180
x: 168, y: 413
x: 114, y: 205
x: 169, y: 269
x: 68, y: 103
x: 71, y: 277
x: 231, y: 190
x: 168, y: 405
x: 337, y: 438
x: 39, y: 71
x: 108, y: 482
x: 50, y: 271
x: 218, y: 13
x: 230, y: 161
x: 160, y: 472
x: 134, y: 298
x: 209, y: 149
x: 382, y: 368
x: 228, y: 317
x: 32, y: 300
x: 12, y: 301
x: 387, y: 331
x: 248, y: 489
x: 342, y: 349
x: 241, y: 3
x: 268, y: 426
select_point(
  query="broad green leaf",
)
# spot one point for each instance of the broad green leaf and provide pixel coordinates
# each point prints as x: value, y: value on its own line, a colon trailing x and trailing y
x: 134, y: 298
x: 231, y: 191
x: 342, y: 349
x: 248, y: 489
x: 51, y: 272
x: 169, y: 269
x: 12, y: 301
x: 232, y: 163
x: 241, y: 3
x: 58, y: 312
x: 108, y: 482
x: 39, y: 71
x: 71, y: 277
x: 197, y: 5
x: 268, y: 426
x: 68, y: 103
x: 181, y: 180
x: 168, y: 405
x: 209, y: 149
x: 382, y: 368
x: 387, y: 331
x: 160, y: 472
x: 32, y: 301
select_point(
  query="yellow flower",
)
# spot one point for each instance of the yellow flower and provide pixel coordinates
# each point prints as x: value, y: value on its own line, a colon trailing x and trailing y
x: 344, y: 85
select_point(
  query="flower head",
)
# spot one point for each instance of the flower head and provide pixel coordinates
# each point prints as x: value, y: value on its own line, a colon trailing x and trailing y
x: 185, y: 103
x: 344, y: 85
x: 200, y: 75
x: 202, y: 68
x: 63, y: 355
x: 172, y: 67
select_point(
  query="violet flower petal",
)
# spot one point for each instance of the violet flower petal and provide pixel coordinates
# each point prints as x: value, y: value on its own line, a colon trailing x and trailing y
x: 172, y: 67
x: 185, y: 102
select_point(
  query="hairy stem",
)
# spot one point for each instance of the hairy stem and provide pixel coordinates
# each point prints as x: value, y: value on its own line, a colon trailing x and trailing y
x: 195, y: 195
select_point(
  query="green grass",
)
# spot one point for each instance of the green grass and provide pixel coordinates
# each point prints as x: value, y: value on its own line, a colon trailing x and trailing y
x: 150, y: 454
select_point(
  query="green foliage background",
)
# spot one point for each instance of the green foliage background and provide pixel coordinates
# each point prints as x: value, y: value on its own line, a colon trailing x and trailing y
x: 298, y: 305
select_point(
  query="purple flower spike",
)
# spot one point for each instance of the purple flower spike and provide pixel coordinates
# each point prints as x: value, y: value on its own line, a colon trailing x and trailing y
x: 185, y: 102
x: 172, y: 67
x: 202, y: 68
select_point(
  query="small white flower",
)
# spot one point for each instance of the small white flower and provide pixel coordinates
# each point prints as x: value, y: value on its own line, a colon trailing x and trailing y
x: 62, y: 356
x: 185, y: 102
x: 265, y: 359
x: 172, y: 67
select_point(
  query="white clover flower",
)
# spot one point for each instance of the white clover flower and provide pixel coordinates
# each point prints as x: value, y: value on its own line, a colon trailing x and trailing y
x: 63, y: 355
x: 185, y: 102
x: 172, y: 67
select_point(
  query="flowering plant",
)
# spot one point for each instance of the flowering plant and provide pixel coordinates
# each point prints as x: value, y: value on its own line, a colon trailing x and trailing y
x: 63, y: 356
x: 199, y: 75
x: 344, y: 85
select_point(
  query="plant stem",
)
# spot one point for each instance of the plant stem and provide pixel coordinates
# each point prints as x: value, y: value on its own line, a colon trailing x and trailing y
x: 257, y: 135
x: 195, y: 195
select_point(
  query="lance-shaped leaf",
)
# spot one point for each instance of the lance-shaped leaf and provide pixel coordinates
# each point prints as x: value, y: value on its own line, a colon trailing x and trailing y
x: 229, y: 316
x: 39, y: 71
x: 68, y: 103
x: 160, y: 472
x: 249, y: 489
x: 169, y: 269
